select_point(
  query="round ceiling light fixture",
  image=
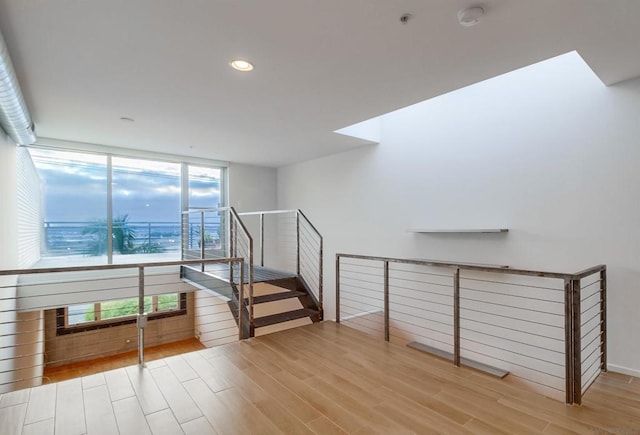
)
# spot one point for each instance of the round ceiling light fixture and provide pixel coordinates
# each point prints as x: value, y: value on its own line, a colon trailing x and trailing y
x: 470, y: 16
x: 241, y: 65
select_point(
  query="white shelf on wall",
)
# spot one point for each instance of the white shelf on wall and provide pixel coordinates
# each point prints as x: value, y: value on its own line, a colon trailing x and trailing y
x: 457, y: 230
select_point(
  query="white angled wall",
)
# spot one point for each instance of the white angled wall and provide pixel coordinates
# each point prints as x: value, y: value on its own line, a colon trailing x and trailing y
x: 30, y: 214
x: 547, y: 151
x: 254, y: 188
x: 21, y: 334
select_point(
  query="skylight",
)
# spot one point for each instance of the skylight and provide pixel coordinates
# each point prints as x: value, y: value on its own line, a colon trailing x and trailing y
x: 569, y: 64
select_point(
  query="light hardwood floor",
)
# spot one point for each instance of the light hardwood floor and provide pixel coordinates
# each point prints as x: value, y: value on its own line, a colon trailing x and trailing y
x: 322, y: 378
x: 93, y: 366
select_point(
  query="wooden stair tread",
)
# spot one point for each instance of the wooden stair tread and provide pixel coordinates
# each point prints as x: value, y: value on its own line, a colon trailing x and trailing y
x: 262, y: 299
x: 284, y: 317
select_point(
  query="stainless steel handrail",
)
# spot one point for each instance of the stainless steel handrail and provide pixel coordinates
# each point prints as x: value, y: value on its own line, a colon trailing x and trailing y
x: 469, y: 266
x: 238, y: 222
x: 255, y: 213
x: 298, y: 215
x: 114, y: 266
x: 141, y: 316
x: 572, y: 308
x: 233, y: 212
x: 320, y: 260
x: 234, y: 222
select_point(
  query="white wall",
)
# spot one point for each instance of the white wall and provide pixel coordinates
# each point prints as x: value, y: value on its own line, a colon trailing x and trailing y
x: 21, y: 336
x: 29, y: 209
x: 8, y: 211
x: 252, y: 188
x: 547, y: 151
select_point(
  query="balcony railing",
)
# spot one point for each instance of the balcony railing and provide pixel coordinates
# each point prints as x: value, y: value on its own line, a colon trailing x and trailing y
x: 546, y: 328
x: 30, y: 300
x: 65, y: 238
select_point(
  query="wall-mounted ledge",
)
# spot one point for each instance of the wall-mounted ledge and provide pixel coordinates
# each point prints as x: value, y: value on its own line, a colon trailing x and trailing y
x: 458, y: 230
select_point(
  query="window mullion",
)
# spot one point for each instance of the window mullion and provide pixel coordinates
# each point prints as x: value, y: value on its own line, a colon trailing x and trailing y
x: 109, y: 210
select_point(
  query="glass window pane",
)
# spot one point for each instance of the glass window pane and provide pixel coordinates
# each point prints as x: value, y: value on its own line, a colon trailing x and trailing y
x: 74, y: 192
x: 77, y: 314
x: 123, y: 307
x: 112, y: 309
x: 204, y: 192
x: 146, y: 209
x: 204, y: 187
x: 168, y: 302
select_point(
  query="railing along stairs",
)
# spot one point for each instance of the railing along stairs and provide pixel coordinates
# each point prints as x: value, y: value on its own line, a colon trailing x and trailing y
x: 280, y: 292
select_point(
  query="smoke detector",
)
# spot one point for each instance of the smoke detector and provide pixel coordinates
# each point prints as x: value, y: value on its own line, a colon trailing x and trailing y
x: 470, y: 16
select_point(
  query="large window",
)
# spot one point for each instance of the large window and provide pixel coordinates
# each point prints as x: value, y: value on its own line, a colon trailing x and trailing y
x: 74, y: 202
x: 85, y: 317
x: 205, y: 193
x: 135, y: 219
x: 146, y: 207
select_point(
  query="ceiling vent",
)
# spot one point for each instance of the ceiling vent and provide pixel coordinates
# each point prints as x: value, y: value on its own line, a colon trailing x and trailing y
x: 14, y: 116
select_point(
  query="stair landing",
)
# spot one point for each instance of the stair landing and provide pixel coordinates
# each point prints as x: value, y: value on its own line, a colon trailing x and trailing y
x: 260, y: 273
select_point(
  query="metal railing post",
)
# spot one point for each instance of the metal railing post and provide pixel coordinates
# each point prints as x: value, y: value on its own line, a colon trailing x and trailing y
x: 320, y: 280
x: 573, y: 351
x: 386, y: 301
x: 262, y: 239
x: 231, y: 245
x: 337, y: 288
x: 109, y: 228
x: 142, y: 316
x: 298, y: 242
x: 568, y: 341
x: 241, y: 302
x: 603, y: 319
x: 577, y: 342
x: 456, y: 318
x: 252, y: 326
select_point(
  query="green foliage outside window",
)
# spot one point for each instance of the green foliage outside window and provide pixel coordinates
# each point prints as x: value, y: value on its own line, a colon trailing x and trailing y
x: 129, y: 307
x: 168, y: 302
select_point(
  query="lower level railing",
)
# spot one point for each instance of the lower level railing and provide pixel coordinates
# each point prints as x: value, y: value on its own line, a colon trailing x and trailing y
x: 546, y: 328
x: 54, y: 317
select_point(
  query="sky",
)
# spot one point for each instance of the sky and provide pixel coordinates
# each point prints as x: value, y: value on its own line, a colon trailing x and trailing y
x: 74, y: 187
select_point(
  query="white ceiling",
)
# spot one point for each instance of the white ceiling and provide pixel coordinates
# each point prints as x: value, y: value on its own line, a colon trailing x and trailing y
x: 320, y: 65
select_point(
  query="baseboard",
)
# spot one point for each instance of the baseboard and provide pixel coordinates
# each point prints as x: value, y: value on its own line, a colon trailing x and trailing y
x: 623, y: 370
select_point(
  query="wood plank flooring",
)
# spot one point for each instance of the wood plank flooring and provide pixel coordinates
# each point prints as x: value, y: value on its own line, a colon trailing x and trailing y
x: 98, y: 365
x: 322, y: 378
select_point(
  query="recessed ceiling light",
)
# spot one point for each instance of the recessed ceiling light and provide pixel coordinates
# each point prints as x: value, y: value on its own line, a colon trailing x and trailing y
x: 241, y: 65
x: 470, y: 16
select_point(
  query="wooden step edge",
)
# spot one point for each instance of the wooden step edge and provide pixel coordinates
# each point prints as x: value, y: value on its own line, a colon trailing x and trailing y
x: 262, y: 299
x: 273, y: 319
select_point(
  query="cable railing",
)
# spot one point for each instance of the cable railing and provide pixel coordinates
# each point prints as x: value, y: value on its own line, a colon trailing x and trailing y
x: 545, y: 328
x: 288, y: 241
x: 220, y: 233
x: 89, y: 238
x: 52, y: 317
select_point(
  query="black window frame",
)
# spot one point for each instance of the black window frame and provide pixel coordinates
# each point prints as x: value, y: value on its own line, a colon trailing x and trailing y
x: 63, y: 329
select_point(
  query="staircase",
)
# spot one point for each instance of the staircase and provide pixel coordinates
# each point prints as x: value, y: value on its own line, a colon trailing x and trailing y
x: 258, y: 296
